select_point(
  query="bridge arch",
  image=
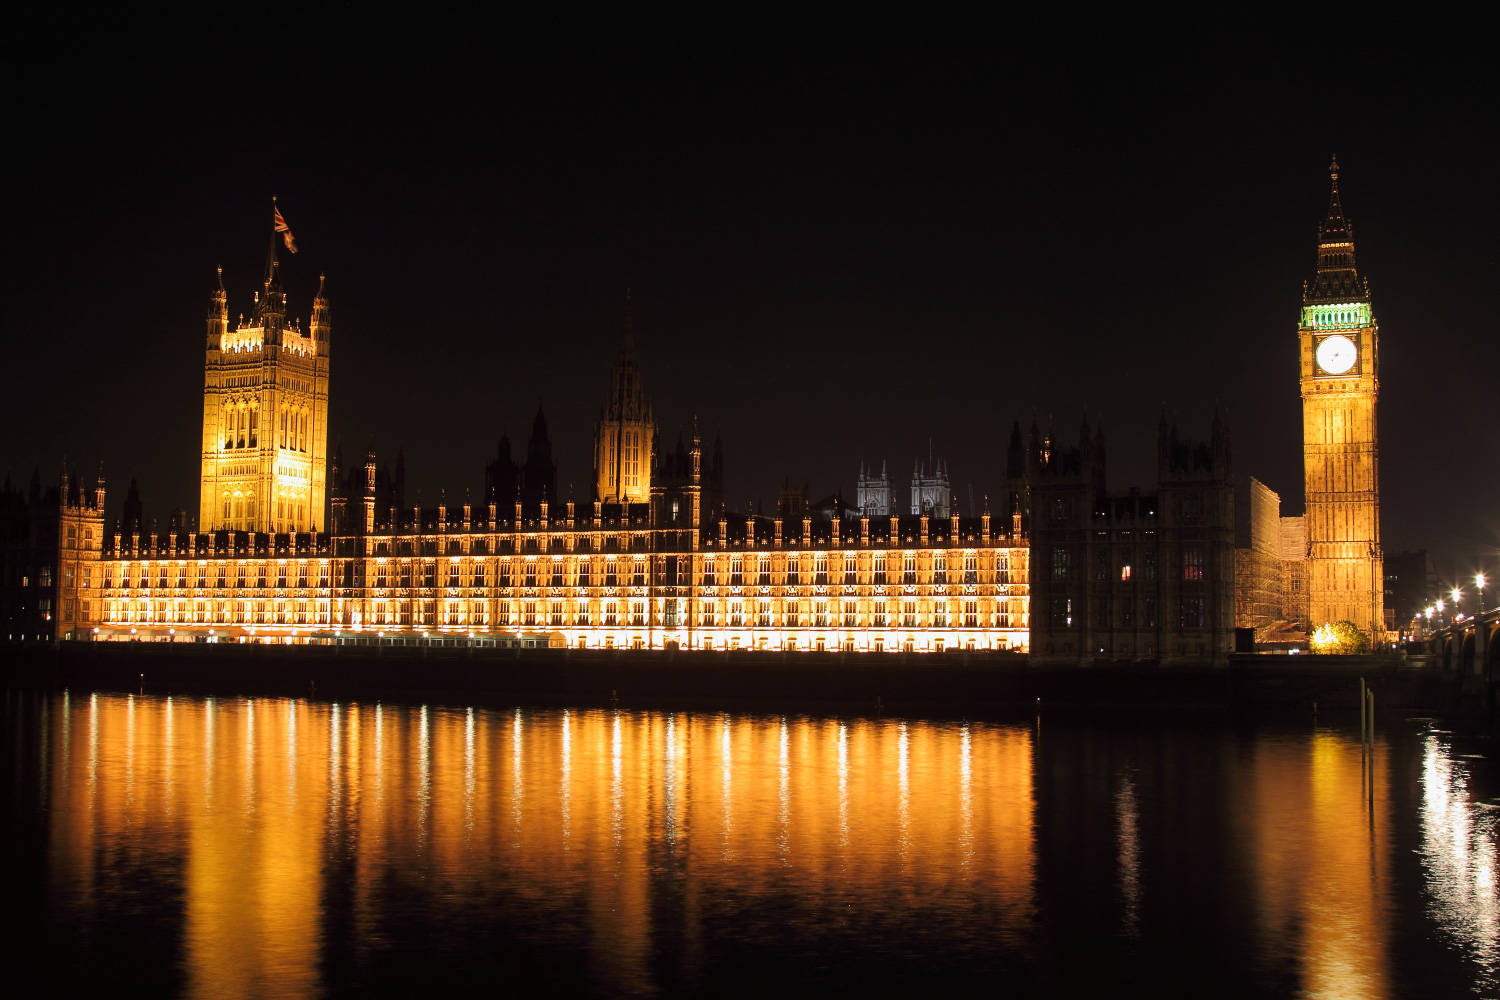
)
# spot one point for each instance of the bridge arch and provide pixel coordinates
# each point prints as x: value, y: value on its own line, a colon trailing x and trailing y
x: 1466, y: 657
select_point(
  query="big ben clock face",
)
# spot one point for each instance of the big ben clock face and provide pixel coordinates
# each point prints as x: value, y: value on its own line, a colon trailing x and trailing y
x: 1336, y: 355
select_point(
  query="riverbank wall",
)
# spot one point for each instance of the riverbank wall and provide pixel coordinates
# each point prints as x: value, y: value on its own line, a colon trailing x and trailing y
x: 964, y: 684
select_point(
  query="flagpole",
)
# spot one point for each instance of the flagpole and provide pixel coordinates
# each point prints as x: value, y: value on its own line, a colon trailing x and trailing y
x: 271, y: 253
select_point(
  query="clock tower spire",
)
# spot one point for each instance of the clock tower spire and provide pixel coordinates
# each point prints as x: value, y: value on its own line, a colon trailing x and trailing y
x: 1338, y: 342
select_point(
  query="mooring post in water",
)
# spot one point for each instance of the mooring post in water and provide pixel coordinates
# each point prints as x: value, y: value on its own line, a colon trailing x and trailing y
x: 1361, y: 711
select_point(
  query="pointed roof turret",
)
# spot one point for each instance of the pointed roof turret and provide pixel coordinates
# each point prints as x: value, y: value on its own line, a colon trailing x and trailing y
x: 1337, y: 279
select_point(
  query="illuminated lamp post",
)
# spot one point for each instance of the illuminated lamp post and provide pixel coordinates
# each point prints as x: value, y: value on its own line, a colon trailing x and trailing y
x: 1479, y: 582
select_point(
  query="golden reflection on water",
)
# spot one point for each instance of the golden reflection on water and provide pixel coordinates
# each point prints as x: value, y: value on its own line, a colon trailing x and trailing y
x: 262, y: 806
x: 567, y: 802
x: 1321, y: 855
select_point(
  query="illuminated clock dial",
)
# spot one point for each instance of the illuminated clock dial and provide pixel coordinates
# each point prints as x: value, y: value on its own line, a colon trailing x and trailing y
x: 1336, y: 355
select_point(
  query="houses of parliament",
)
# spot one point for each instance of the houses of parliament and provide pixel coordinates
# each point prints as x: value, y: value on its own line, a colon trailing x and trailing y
x: 294, y: 544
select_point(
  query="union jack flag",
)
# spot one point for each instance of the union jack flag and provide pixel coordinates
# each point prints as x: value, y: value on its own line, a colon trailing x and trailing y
x: 283, y: 228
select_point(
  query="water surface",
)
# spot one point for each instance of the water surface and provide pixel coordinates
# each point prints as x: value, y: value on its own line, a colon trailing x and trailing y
x: 256, y: 846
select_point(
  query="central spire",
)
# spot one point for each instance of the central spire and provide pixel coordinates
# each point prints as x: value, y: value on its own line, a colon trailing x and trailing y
x: 1337, y: 279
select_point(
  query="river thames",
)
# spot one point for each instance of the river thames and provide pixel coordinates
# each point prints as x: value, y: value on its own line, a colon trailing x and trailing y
x: 215, y: 847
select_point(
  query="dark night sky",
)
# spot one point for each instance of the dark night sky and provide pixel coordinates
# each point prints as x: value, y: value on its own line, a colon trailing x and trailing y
x: 841, y: 245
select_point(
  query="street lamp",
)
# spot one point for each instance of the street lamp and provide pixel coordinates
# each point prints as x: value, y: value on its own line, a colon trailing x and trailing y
x: 1479, y: 582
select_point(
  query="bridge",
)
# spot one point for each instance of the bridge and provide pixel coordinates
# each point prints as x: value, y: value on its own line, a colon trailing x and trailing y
x: 1471, y: 646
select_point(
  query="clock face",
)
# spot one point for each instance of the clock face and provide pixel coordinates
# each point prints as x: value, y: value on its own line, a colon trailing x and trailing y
x: 1336, y: 355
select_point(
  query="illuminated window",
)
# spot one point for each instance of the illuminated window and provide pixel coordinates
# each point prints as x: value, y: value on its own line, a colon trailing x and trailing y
x: 880, y: 567
x: 638, y: 612
x: 736, y: 614
x: 1125, y: 572
x: 1192, y: 563
x: 971, y: 614
x: 820, y: 569
x: 971, y: 567
x: 820, y: 614
x: 880, y: 613
x: 611, y: 614
x: 763, y: 571
x: 763, y: 614
x: 793, y: 608
x: 736, y: 571
x: 909, y: 614
x: 850, y: 569
x: 909, y: 567
x: 1059, y: 563
x: 638, y: 573
x: 940, y: 568
x: 793, y: 571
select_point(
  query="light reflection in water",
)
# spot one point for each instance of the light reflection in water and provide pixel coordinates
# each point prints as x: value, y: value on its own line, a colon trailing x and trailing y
x: 643, y: 821
x: 966, y: 797
x: 783, y: 790
x: 469, y: 770
x: 843, y: 744
x: 1128, y: 849
x: 1460, y: 858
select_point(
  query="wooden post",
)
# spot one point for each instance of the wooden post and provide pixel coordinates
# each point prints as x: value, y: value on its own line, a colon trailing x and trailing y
x: 1361, y: 712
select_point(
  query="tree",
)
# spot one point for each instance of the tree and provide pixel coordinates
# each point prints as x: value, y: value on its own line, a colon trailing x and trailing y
x: 1342, y: 637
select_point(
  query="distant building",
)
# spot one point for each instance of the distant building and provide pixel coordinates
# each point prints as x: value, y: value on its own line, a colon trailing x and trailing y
x: 1293, y: 536
x: 1411, y: 584
x: 49, y: 559
x: 873, y: 493
x: 931, y: 492
x: 1257, y: 561
x: 1128, y: 576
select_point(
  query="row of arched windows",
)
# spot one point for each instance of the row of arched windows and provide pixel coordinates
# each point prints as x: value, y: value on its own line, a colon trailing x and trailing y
x: 241, y: 424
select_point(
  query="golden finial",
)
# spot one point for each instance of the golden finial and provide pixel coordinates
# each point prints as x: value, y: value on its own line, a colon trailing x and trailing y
x: 1333, y: 168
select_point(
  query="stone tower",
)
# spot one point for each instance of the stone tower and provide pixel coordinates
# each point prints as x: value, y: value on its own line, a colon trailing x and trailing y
x: 265, y: 414
x: 1338, y: 342
x: 626, y: 431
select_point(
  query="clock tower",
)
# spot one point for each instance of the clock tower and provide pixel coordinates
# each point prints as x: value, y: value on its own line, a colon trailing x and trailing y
x: 1338, y: 341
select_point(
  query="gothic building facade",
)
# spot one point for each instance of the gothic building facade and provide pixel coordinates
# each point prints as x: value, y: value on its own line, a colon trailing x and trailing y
x: 1339, y: 355
x: 50, y: 544
x: 265, y: 414
x: 1127, y: 576
x: 654, y: 560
